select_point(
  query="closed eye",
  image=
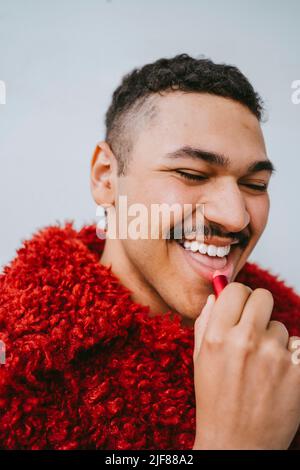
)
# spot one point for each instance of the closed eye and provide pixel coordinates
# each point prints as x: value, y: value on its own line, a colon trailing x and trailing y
x: 196, y: 177
x: 191, y: 176
x: 257, y: 187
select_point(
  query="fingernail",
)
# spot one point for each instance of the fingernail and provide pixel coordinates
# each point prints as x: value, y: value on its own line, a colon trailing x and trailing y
x: 210, y: 299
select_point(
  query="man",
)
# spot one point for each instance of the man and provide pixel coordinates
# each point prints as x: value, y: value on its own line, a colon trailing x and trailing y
x: 120, y: 343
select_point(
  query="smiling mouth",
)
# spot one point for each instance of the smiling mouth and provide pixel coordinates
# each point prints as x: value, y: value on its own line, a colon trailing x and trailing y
x: 206, y: 258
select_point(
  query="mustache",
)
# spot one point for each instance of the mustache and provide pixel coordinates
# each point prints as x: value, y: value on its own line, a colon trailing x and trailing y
x: 208, y: 231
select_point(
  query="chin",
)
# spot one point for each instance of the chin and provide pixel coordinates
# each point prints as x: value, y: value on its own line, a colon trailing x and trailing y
x: 191, y: 308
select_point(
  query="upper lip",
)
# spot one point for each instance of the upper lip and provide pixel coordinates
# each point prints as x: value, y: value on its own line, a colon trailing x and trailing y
x: 218, y: 241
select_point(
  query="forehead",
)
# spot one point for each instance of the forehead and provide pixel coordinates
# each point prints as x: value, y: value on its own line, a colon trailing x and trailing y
x: 210, y: 122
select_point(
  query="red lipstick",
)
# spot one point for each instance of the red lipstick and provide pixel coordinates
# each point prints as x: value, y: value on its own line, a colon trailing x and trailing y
x: 219, y: 281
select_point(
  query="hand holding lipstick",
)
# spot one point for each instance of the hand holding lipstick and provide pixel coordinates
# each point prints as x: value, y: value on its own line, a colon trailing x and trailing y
x: 245, y: 381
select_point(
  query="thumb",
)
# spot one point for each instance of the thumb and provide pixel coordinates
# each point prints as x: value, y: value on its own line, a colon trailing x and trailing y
x: 201, y: 324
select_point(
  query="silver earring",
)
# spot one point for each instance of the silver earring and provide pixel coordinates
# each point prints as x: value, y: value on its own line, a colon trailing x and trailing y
x: 105, y: 220
x: 102, y: 212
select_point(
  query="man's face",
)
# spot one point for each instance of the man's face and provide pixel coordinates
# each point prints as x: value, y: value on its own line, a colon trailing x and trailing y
x: 232, y: 205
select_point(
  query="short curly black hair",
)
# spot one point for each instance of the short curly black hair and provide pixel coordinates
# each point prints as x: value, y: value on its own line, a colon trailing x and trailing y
x: 134, y: 101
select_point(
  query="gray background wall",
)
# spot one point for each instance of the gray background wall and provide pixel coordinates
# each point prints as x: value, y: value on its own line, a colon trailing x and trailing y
x: 61, y: 61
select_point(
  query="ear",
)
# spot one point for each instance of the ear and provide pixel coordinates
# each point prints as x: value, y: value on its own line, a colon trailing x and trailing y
x: 103, y: 174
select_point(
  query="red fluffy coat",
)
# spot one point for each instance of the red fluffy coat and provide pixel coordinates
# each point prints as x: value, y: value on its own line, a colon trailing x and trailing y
x: 86, y: 368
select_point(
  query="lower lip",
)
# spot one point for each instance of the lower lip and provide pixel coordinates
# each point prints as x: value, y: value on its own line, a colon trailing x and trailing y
x: 198, y: 262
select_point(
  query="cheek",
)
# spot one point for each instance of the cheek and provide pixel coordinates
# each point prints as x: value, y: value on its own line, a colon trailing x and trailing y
x: 167, y: 191
x: 259, y: 212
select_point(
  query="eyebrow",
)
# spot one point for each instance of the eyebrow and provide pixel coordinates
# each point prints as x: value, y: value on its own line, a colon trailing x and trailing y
x: 218, y: 159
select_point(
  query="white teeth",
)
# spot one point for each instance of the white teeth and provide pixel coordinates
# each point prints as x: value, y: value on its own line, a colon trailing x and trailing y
x: 210, y: 250
x: 186, y: 244
x: 221, y: 251
x: 194, y: 246
x: 203, y: 248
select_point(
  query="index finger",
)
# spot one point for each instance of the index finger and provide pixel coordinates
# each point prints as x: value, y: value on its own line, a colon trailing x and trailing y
x: 229, y: 306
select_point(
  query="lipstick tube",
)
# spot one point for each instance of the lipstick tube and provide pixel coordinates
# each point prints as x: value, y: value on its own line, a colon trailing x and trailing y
x: 219, y: 282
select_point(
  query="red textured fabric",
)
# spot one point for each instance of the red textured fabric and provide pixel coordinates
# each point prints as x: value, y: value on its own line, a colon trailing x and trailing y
x: 87, y: 368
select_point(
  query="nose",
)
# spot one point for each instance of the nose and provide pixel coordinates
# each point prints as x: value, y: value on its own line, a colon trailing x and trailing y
x: 226, y: 206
